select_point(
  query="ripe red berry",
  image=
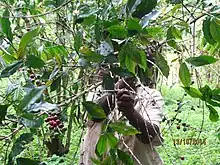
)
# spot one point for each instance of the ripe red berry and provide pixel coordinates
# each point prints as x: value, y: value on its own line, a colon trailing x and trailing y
x: 50, y: 118
x: 58, y: 121
x: 55, y: 124
x: 182, y: 158
x: 60, y: 125
x: 51, y: 123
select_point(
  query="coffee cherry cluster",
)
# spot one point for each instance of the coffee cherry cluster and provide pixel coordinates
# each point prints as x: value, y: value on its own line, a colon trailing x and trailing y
x: 54, y: 122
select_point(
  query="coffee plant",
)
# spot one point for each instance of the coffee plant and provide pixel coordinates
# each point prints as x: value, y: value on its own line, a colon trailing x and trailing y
x: 50, y: 51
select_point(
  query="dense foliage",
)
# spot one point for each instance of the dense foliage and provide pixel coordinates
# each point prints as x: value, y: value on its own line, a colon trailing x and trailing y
x: 50, y: 51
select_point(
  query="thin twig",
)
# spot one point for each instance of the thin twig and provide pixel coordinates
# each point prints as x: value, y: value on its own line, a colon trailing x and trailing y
x: 80, y: 94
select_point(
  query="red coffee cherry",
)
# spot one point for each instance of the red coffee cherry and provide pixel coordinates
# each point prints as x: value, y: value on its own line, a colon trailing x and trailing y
x: 55, y: 124
x: 182, y: 158
x: 51, y: 123
x: 58, y: 121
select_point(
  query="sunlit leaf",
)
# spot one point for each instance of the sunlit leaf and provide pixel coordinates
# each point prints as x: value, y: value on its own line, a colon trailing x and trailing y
x: 193, y: 92
x: 118, y: 31
x: 102, y: 145
x: 28, y: 120
x: 124, y: 129
x: 94, y: 110
x: 91, y: 55
x: 201, y: 60
x: 31, y: 97
x: 184, y: 75
x: 112, y: 140
x: 25, y: 40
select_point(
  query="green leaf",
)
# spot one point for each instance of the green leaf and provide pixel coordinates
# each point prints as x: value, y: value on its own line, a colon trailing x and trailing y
x: 56, y: 84
x: 30, y: 121
x: 6, y: 25
x: 90, y: 55
x: 206, y: 31
x: 31, y: 97
x: 19, y: 145
x: 102, y: 145
x: 216, y: 94
x: 170, y: 38
x: 124, y: 129
x: 176, y: 33
x: 172, y: 34
x: 133, y: 24
x: 44, y: 106
x: 184, y: 75
x: 201, y: 60
x: 94, y: 110
x: 96, y: 161
x: 125, y: 158
x: 213, y: 115
x: 193, y: 92
x: 130, y: 64
x: 26, y: 161
x: 145, y: 7
x: 25, y: 40
x: 162, y: 64
x: 118, y: 31
x: 130, y: 56
x: 3, y: 112
x: 78, y: 41
x: 214, y: 29
x: 35, y: 62
x: 11, y: 69
x: 112, y: 140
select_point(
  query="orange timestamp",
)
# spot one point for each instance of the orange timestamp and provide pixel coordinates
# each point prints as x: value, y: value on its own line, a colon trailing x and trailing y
x: 189, y: 141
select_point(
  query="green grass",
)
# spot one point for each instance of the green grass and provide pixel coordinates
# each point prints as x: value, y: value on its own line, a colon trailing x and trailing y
x: 208, y: 154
